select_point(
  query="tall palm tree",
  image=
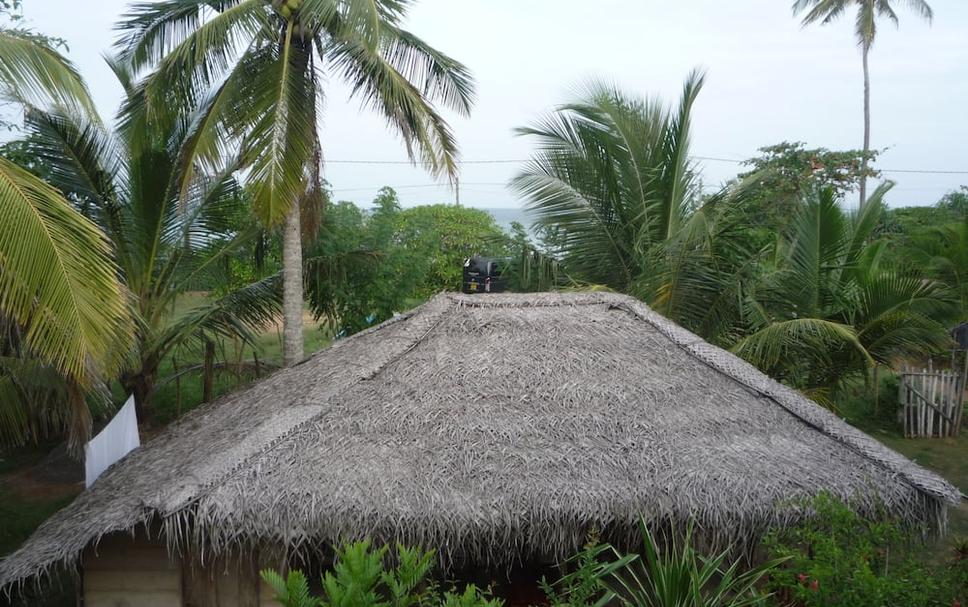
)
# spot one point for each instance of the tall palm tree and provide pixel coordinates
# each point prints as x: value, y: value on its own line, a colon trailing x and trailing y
x: 60, y: 299
x: 129, y: 183
x: 826, y: 11
x: 261, y: 66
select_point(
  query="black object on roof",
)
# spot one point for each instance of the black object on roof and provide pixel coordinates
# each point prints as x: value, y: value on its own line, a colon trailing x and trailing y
x: 483, y: 275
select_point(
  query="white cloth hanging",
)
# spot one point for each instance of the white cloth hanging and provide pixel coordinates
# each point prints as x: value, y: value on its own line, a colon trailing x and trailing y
x: 116, y: 440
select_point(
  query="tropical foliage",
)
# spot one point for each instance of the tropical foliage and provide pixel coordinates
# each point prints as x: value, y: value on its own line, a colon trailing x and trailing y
x: 166, y: 229
x: 828, y: 307
x: 612, y: 173
x: 258, y: 68
x: 784, y: 173
x: 364, y: 266
x: 837, y: 557
x: 62, y: 308
x: 612, y: 181
x: 362, y: 577
x: 815, y: 304
x: 672, y: 573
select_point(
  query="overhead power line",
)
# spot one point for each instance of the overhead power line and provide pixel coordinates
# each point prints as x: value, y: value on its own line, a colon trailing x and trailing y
x: 923, y: 171
x: 419, y: 185
x: 704, y: 158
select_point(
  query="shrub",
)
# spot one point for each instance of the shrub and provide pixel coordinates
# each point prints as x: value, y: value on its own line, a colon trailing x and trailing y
x: 361, y: 577
x: 673, y: 576
x: 840, y: 558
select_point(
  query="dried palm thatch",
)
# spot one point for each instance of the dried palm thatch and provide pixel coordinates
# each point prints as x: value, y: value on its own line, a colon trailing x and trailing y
x: 491, y: 427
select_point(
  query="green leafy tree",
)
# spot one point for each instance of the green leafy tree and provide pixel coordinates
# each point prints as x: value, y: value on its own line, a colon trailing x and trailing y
x: 261, y: 65
x: 439, y: 237
x: 786, y: 172
x: 364, y: 266
x: 357, y: 274
x: 61, y: 304
x: 868, y: 11
x: 956, y: 202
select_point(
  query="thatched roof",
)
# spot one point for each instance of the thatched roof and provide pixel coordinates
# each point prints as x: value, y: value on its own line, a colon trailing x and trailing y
x: 490, y: 426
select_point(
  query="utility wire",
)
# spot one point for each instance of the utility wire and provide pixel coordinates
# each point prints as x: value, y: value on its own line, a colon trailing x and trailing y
x: 418, y: 185
x: 705, y: 158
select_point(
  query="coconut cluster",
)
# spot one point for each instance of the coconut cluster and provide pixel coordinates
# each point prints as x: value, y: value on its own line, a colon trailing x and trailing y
x: 286, y: 8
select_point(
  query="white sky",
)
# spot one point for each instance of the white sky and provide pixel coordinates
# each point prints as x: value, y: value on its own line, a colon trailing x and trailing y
x: 768, y: 80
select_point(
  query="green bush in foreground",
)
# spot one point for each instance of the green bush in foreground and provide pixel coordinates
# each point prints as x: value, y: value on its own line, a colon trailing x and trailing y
x: 676, y: 575
x: 360, y: 577
x: 839, y: 558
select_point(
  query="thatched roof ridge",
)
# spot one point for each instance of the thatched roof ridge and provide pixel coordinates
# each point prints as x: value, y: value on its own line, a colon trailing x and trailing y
x: 488, y: 426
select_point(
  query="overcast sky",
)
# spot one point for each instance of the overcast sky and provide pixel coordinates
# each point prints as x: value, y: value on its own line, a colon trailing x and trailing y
x: 768, y: 80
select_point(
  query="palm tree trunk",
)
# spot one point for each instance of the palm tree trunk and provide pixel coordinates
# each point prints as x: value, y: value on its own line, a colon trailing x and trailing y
x: 867, y: 127
x: 292, y: 289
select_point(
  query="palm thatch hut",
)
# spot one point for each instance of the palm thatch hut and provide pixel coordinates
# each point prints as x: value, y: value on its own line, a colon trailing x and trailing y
x: 493, y: 428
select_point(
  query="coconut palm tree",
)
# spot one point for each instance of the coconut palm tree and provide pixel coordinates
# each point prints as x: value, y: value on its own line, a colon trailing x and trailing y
x: 262, y: 65
x: 828, y: 309
x: 826, y: 11
x: 165, y: 240
x: 612, y: 176
x: 943, y: 252
x: 61, y: 304
x: 613, y: 173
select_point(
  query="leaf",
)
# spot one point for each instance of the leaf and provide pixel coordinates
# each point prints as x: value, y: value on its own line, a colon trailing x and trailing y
x: 35, y: 74
x: 58, y: 281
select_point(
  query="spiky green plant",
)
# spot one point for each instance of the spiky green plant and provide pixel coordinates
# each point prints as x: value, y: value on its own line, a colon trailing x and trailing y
x: 261, y: 66
x: 669, y: 574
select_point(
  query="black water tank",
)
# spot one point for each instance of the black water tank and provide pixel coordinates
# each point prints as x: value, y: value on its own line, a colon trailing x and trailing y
x: 483, y: 275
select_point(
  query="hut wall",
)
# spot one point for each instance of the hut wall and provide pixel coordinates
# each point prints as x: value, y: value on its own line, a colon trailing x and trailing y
x: 126, y: 571
x: 229, y: 581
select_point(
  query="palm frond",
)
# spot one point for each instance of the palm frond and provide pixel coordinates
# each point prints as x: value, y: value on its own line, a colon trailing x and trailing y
x: 82, y: 158
x: 37, y: 402
x: 236, y: 315
x: 612, y: 173
x: 678, y: 184
x: 152, y: 29
x: 202, y: 59
x: 58, y: 280
x: 438, y: 77
x: 281, y: 100
x: 35, y: 74
x: 787, y: 339
x: 376, y: 81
